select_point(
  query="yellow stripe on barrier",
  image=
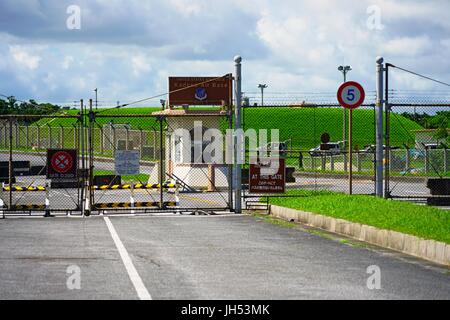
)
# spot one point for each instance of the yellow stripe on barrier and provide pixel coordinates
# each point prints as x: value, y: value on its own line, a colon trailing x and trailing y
x: 126, y: 205
x: 25, y: 189
x: 136, y: 187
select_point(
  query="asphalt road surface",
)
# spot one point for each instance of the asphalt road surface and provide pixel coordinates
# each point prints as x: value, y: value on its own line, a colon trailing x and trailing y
x: 188, y: 257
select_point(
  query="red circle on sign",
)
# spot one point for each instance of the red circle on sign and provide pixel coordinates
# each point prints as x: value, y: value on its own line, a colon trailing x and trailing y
x: 358, y: 90
x: 62, y: 162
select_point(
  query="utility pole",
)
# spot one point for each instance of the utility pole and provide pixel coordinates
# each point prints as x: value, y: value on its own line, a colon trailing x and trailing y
x: 379, y: 130
x: 239, y: 137
x: 262, y: 87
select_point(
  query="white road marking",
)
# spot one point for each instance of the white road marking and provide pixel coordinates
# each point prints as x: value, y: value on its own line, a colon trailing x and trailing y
x: 141, y: 290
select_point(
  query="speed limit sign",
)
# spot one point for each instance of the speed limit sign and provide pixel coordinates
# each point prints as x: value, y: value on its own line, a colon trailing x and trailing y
x: 351, y: 95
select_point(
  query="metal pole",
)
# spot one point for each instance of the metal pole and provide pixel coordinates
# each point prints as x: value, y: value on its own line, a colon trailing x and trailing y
x: 387, y: 110
x: 238, y: 171
x: 161, y: 164
x: 11, y: 168
x: 379, y: 130
x: 83, y: 167
x: 350, y: 147
x: 91, y: 156
x: 344, y: 127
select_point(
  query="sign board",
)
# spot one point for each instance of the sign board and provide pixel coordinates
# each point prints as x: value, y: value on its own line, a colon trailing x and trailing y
x: 351, y: 95
x: 200, y: 90
x: 261, y: 182
x: 127, y: 162
x: 62, y: 164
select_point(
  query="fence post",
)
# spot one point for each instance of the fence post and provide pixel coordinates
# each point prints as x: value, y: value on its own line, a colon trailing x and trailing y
x: 445, y: 160
x: 408, y: 160
x: 10, y: 173
x: 324, y: 162
x: 358, y: 162
x: 27, y: 135
x: 379, y: 129
x: 102, y: 141
x: 16, y: 125
x: 38, y: 137
x: 332, y: 163
x: 61, y: 137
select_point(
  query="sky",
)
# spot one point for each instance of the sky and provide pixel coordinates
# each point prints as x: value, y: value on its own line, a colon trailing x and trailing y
x: 128, y: 49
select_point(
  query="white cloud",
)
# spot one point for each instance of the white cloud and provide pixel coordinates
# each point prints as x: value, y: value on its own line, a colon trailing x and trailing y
x: 140, y: 65
x: 23, y: 58
x: 408, y: 46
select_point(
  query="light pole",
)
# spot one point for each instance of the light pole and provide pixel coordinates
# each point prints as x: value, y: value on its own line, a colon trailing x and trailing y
x: 96, y: 100
x: 262, y: 87
x: 344, y: 70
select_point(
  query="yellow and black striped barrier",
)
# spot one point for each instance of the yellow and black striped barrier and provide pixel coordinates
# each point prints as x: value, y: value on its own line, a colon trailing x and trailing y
x: 138, y: 186
x: 117, y: 205
x: 19, y: 207
x: 24, y: 189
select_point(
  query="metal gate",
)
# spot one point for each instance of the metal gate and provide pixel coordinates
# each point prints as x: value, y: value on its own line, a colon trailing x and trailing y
x: 99, y: 138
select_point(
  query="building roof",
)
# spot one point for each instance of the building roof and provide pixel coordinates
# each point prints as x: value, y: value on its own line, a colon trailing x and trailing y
x: 428, y: 130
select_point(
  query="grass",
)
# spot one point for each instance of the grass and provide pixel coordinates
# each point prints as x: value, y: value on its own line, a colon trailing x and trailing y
x: 421, y: 221
x: 303, y: 126
x: 138, y: 178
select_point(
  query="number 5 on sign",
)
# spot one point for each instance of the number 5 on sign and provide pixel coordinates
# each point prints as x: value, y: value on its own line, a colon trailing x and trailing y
x: 351, y: 95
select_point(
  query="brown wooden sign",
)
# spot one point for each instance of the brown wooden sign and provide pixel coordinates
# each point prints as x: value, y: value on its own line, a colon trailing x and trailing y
x: 200, y: 90
x: 268, y: 176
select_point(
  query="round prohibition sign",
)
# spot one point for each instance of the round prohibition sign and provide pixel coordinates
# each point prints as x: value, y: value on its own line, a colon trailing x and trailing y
x: 62, y: 162
x: 351, y: 95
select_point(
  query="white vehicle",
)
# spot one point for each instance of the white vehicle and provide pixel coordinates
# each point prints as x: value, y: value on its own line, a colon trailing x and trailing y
x: 334, y: 148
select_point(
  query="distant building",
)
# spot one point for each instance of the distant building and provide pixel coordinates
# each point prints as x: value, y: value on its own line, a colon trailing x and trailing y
x: 426, y: 136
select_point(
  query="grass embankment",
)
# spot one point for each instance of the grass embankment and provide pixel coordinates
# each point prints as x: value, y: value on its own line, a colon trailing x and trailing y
x: 303, y: 126
x: 137, y: 178
x: 420, y: 221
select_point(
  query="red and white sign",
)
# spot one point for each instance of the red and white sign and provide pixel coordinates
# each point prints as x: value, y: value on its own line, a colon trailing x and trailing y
x: 61, y: 164
x: 351, y: 95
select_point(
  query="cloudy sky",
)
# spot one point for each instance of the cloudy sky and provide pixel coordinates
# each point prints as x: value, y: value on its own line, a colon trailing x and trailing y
x: 128, y: 48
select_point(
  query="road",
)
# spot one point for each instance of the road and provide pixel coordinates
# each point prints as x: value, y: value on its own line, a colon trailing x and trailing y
x: 211, y: 257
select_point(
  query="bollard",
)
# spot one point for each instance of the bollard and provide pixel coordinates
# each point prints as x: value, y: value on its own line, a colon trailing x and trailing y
x: 132, y: 196
x: 47, y: 201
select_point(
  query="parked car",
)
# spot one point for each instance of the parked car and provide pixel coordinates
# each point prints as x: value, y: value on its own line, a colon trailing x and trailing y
x: 334, y: 148
x: 372, y: 148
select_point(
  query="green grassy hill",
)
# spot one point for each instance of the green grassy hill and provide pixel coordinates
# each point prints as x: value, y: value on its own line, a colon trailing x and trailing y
x: 303, y: 126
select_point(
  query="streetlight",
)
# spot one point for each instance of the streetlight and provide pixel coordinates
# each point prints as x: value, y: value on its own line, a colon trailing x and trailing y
x: 96, y: 100
x: 344, y: 70
x: 262, y: 87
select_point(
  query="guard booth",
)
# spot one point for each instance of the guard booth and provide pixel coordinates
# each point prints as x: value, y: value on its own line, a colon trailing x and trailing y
x: 196, y: 106
x: 194, y: 174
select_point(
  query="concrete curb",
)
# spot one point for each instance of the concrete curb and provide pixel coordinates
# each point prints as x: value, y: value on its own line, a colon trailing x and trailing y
x: 437, y: 252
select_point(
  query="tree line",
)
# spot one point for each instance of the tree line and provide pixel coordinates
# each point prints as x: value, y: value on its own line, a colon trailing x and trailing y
x: 12, y: 106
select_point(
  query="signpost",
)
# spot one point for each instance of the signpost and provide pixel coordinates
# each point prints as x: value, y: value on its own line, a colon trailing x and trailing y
x: 200, y: 90
x: 127, y: 162
x: 262, y: 182
x: 62, y: 164
x: 351, y: 96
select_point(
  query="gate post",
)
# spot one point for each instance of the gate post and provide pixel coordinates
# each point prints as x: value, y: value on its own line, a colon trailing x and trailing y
x: 379, y: 130
x: 238, y: 120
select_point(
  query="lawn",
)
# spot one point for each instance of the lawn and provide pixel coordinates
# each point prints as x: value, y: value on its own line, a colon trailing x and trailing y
x: 422, y: 221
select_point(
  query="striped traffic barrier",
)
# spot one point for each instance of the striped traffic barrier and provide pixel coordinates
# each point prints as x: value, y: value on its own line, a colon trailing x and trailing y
x: 138, y: 186
x: 118, y: 205
x: 24, y: 189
